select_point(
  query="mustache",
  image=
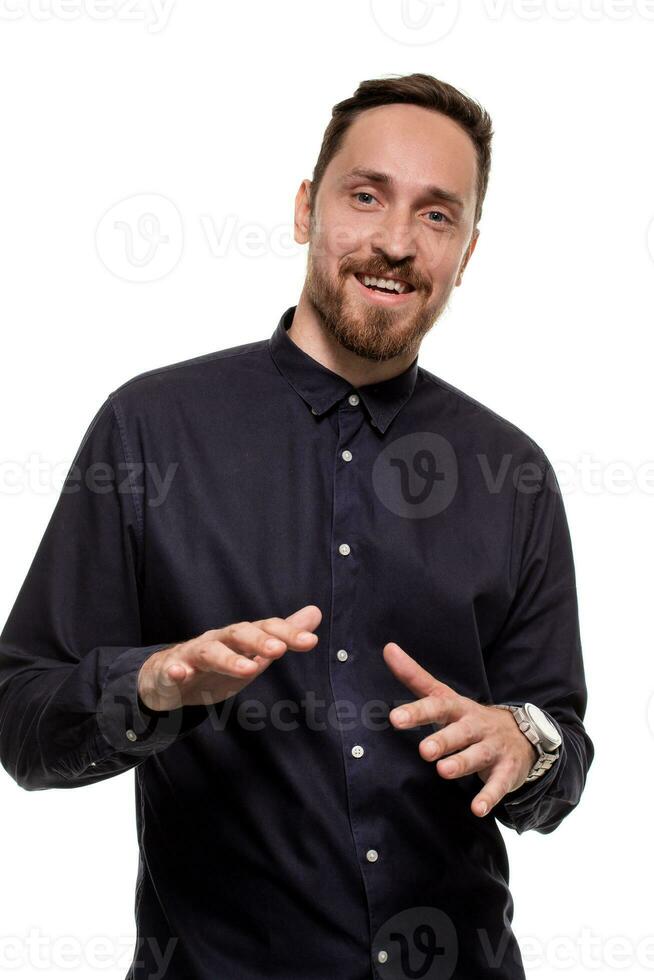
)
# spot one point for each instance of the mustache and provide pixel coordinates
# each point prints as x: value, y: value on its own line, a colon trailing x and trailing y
x: 373, y: 268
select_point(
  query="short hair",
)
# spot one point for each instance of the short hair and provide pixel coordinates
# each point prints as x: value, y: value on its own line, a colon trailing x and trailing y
x: 416, y: 89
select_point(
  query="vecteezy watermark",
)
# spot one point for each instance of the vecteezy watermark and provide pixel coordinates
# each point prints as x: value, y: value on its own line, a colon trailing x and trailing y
x: 418, y: 942
x: 567, y: 10
x: 414, y: 476
x: 155, y: 14
x: 417, y: 475
x: 254, y: 240
x: 588, y: 951
x: 39, y: 476
x: 125, y: 727
x: 422, y: 942
x: 250, y: 239
x: 594, y: 476
x: 140, y: 239
x: 415, y: 21
x: 44, y: 952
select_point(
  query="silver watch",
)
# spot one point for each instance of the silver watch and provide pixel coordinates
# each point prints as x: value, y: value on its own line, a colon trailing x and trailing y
x: 540, y: 731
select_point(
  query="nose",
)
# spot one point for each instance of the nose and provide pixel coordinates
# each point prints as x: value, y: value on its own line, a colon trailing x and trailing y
x: 394, y: 240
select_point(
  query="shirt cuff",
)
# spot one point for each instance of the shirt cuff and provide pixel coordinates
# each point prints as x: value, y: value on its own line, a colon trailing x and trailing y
x: 124, y: 722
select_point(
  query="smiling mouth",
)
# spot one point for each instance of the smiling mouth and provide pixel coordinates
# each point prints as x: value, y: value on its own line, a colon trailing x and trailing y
x: 394, y: 287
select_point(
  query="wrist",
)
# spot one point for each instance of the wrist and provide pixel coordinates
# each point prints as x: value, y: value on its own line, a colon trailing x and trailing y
x: 541, y: 732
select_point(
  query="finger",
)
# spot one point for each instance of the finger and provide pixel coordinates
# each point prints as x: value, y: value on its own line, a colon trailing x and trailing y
x: 213, y: 655
x: 307, y: 617
x: 440, y: 708
x: 249, y: 640
x: 458, y: 735
x: 409, y: 671
x: 163, y: 682
x: 294, y: 636
x: 479, y: 755
x: 498, y: 785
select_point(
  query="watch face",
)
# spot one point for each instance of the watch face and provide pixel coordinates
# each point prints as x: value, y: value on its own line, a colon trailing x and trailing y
x: 548, y: 733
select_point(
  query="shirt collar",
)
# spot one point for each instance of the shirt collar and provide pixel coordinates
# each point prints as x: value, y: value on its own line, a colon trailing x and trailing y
x: 321, y: 388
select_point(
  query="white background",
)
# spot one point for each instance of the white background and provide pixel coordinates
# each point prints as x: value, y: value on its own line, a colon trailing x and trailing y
x: 218, y: 110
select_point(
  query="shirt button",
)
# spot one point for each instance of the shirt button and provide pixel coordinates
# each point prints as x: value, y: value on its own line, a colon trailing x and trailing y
x: 353, y: 399
x: 344, y: 549
x: 372, y: 855
x: 347, y: 455
x: 382, y: 956
x: 357, y: 751
x: 313, y: 411
x: 131, y: 735
x: 342, y: 655
x: 93, y: 763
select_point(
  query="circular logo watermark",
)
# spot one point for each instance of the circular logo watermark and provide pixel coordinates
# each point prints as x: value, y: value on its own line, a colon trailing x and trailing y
x: 140, y: 238
x: 125, y: 727
x: 415, y: 21
x: 416, y: 475
x: 420, y: 942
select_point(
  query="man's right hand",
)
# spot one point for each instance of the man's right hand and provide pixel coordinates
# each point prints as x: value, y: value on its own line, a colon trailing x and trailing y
x: 220, y: 662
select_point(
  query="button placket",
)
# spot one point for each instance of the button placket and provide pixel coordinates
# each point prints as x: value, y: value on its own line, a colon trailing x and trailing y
x: 343, y: 668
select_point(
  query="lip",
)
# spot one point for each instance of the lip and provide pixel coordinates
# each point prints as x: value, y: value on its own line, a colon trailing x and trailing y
x: 383, y: 299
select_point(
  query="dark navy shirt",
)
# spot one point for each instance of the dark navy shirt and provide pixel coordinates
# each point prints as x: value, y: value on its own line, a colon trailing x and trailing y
x: 291, y: 832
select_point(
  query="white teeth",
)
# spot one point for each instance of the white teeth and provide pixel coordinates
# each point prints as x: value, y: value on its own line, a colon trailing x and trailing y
x: 399, y: 287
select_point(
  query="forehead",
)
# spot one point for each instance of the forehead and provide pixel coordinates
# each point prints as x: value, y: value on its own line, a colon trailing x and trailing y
x: 417, y: 146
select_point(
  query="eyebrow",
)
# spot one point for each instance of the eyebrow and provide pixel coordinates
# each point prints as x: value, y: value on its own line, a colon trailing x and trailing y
x: 431, y: 191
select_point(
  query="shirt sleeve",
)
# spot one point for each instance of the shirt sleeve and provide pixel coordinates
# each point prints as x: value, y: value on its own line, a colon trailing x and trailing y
x: 537, y: 655
x: 71, y: 650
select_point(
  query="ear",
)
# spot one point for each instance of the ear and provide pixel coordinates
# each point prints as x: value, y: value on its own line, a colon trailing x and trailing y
x: 466, y: 258
x: 302, y: 212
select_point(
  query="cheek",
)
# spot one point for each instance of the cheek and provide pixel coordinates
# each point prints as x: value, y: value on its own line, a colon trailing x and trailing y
x: 345, y: 232
x: 440, y: 254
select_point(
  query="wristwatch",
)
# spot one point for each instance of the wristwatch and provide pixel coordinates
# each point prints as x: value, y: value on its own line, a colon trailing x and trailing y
x: 540, y: 731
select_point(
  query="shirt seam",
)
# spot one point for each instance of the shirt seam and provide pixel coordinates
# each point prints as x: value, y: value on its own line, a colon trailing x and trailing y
x: 532, y: 516
x: 253, y: 346
x: 440, y: 383
x: 128, y: 462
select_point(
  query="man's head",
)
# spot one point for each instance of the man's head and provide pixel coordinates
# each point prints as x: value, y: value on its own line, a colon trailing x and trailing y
x: 397, y: 192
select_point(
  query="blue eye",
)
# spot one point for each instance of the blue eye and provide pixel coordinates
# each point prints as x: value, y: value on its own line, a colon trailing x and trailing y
x: 443, y: 217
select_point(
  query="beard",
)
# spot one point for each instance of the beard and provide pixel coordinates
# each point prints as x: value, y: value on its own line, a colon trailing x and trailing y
x: 371, y: 331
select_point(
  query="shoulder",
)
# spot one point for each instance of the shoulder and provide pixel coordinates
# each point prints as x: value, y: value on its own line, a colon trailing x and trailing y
x: 190, y: 377
x: 478, y: 426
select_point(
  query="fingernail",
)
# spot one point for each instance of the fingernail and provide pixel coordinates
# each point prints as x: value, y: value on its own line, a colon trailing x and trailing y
x: 273, y: 644
x: 401, y: 716
x: 483, y: 809
x: 304, y: 636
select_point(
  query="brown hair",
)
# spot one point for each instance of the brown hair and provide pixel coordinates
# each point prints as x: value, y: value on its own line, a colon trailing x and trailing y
x: 417, y: 89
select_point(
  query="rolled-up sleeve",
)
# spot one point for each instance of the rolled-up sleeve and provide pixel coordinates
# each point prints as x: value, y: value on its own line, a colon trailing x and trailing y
x: 537, y: 655
x: 71, y: 649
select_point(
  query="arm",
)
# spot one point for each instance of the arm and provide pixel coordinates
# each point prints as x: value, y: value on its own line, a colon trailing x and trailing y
x: 70, y: 651
x: 537, y: 654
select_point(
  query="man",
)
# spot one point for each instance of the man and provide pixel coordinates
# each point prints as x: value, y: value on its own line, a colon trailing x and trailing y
x: 263, y: 552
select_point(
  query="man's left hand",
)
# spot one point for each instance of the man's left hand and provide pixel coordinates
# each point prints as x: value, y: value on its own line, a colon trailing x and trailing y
x: 485, y: 738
